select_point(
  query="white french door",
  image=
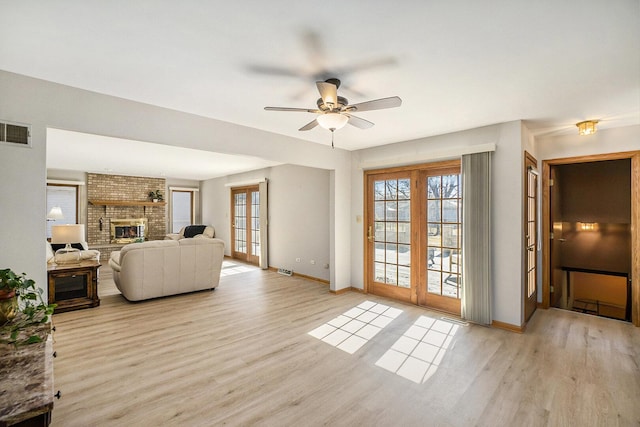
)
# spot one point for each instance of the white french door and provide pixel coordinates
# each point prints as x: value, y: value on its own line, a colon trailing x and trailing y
x: 245, y: 226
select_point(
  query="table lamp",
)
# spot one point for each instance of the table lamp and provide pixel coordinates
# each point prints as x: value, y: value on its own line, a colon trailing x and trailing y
x: 55, y: 214
x: 67, y: 234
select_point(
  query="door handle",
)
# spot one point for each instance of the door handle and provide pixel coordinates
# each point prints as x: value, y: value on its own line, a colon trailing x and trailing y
x: 370, y: 235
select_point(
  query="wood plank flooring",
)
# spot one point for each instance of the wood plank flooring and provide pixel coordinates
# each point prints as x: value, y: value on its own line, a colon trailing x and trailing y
x: 241, y: 355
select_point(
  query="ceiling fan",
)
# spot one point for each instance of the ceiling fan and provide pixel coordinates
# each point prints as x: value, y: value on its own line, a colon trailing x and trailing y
x: 334, y: 111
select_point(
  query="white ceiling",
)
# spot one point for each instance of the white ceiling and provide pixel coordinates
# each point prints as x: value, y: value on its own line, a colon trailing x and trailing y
x: 456, y: 64
x: 101, y: 154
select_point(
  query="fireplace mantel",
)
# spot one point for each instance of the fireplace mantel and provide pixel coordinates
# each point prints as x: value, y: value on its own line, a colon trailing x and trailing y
x: 125, y: 203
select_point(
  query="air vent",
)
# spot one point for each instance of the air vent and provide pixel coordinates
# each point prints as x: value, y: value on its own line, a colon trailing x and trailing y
x: 14, y: 133
x: 285, y: 272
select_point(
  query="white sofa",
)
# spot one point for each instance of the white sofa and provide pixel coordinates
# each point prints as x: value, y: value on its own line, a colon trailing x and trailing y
x: 167, y: 267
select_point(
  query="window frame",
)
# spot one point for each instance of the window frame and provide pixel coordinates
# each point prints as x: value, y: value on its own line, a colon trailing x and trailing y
x: 76, y: 187
x: 191, y: 192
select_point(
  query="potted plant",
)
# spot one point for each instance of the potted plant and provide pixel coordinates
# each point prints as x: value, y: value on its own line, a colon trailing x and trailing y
x: 155, y: 196
x: 23, y: 309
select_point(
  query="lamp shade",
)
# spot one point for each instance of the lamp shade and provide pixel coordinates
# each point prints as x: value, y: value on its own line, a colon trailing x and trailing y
x: 332, y: 121
x: 70, y: 233
x: 55, y: 213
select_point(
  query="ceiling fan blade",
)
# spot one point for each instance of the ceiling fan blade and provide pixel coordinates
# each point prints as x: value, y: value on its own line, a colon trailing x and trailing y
x: 274, y: 71
x: 301, y: 110
x: 328, y: 93
x: 376, y: 104
x: 309, y: 125
x: 358, y: 122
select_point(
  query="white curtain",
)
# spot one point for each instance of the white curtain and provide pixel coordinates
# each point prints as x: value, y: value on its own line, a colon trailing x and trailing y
x: 476, y: 238
x: 264, y: 235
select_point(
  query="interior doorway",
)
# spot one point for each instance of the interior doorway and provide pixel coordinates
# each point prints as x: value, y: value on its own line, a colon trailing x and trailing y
x: 590, y: 218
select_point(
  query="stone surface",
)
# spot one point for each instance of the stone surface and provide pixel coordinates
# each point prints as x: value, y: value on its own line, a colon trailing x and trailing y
x: 26, y: 380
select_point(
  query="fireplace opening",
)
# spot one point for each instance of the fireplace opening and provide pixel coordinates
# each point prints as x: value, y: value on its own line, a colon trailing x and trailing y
x: 128, y: 230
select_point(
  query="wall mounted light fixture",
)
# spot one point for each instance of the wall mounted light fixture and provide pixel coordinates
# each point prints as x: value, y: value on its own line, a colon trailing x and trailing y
x: 588, y: 127
x: 587, y: 226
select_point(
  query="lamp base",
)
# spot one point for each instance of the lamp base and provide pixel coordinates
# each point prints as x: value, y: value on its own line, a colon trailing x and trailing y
x: 67, y: 255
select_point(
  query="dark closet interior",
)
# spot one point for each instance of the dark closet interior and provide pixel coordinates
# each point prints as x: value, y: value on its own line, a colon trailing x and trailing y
x: 591, y: 244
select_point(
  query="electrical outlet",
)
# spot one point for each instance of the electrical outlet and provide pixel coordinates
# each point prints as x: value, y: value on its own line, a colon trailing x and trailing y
x: 551, y: 288
x: 297, y: 259
x: 313, y: 262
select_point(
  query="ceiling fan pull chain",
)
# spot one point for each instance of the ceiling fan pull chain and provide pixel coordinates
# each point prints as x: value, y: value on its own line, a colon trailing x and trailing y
x: 332, y: 130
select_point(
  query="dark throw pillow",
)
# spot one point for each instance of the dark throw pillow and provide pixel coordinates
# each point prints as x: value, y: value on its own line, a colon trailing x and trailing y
x: 193, y: 230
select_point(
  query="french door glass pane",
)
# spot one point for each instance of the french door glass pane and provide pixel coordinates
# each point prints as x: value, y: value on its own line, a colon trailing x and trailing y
x: 255, y: 223
x: 379, y: 211
x: 379, y: 252
x: 404, y: 232
x: 404, y: 189
x: 444, y: 235
x: 392, y: 234
x: 240, y: 229
x: 404, y: 211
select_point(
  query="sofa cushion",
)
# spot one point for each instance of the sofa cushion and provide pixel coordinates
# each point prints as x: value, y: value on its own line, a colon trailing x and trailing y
x: 145, y: 245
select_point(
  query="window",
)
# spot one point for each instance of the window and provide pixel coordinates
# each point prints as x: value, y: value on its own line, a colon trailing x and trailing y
x: 66, y: 198
x: 182, y: 209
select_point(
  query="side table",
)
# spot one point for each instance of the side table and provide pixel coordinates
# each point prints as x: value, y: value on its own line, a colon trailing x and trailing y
x: 73, y: 286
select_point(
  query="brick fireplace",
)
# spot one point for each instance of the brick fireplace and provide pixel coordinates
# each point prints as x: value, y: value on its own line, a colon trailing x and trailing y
x: 118, y: 198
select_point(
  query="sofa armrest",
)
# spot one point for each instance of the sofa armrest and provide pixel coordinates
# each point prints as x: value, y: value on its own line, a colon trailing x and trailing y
x: 172, y: 236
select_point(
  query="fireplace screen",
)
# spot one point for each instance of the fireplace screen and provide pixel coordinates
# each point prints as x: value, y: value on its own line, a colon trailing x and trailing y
x: 128, y: 230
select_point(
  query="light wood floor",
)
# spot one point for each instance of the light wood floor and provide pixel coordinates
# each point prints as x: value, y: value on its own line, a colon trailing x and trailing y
x: 241, y: 355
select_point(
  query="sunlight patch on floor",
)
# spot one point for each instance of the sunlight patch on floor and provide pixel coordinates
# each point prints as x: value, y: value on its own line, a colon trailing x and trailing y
x: 354, y: 328
x: 417, y: 354
x: 230, y: 268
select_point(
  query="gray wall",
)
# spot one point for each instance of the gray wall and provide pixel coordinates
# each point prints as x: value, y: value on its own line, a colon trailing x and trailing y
x: 507, y: 165
x: 298, y: 215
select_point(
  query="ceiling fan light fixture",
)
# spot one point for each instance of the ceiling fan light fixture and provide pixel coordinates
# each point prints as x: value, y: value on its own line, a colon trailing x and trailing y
x: 588, y: 127
x: 332, y: 121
